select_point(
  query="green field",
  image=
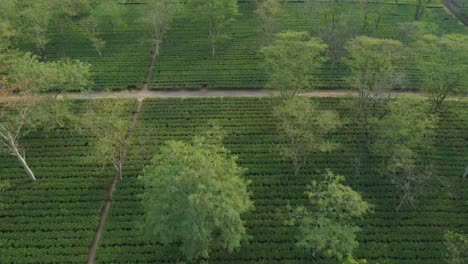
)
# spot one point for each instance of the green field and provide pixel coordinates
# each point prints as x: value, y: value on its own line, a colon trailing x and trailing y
x: 186, y: 61
x: 53, y: 219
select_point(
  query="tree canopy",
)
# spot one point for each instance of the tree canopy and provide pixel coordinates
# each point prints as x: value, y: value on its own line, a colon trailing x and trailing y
x: 456, y: 247
x: 195, y: 195
x: 441, y: 61
x: 108, y: 122
x: 328, y: 226
x: 216, y: 14
x: 304, y: 129
x: 401, y: 137
x: 293, y: 61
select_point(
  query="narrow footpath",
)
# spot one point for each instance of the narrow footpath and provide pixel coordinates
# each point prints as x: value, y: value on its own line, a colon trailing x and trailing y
x: 453, y: 8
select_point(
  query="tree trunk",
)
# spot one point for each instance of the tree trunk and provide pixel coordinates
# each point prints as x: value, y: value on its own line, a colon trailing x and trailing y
x: 22, y: 161
x: 43, y: 54
x: 98, y: 52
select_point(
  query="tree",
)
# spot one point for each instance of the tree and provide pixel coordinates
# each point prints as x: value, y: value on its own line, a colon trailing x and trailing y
x: 401, y: 138
x: 372, y: 62
x: 103, y: 13
x: 327, y: 227
x: 292, y: 62
x: 195, y: 195
x: 25, y: 71
x: 457, y: 247
x: 267, y: 12
x: 108, y: 122
x: 16, y: 121
x: 304, y: 129
x: 20, y: 117
x: 23, y: 76
x: 159, y: 14
x: 216, y: 14
x: 421, y: 8
x: 371, y: 13
x: 68, y: 11
x: 336, y: 25
x: 111, y: 12
x: 89, y: 27
x: 35, y: 24
x: 441, y: 62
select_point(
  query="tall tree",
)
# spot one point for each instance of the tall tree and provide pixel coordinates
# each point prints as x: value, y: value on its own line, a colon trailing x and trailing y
x: 35, y: 24
x: 370, y: 13
x: 101, y: 15
x: 267, y: 12
x: 336, y: 25
x: 195, y: 195
x: 108, y: 122
x: 441, y: 62
x: 304, y: 129
x: 216, y: 14
x: 293, y: 61
x: 159, y: 14
x: 89, y: 27
x: 111, y: 13
x: 421, y: 6
x: 23, y: 76
x: 372, y: 62
x: 401, y: 138
x: 68, y: 12
x: 328, y: 225
x: 18, y: 118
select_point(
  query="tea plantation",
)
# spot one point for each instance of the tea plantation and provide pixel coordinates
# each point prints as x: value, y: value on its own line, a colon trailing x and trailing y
x: 185, y: 61
x: 53, y: 219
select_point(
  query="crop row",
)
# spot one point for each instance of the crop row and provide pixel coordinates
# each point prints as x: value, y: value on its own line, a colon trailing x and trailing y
x: 186, y: 60
x: 408, y: 236
x: 53, y: 219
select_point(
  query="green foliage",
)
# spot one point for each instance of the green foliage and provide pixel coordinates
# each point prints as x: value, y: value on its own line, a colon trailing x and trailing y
x: 457, y: 248
x: 327, y: 237
x: 374, y: 72
x: 108, y: 122
x: 351, y: 260
x: 304, y: 128
x: 412, y: 31
x: 159, y: 14
x: 111, y: 12
x: 26, y: 114
x: 34, y: 25
x: 402, y: 136
x: 371, y: 61
x: 335, y: 24
x: 441, y: 61
x: 293, y: 61
x: 195, y: 195
x: 328, y: 227
x: 216, y: 14
x: 331, y: 199
x: 25, y: 72
x: 268, y: 12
